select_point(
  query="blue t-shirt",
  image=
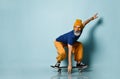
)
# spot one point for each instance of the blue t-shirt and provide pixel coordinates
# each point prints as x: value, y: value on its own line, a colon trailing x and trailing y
x: 68, y: 38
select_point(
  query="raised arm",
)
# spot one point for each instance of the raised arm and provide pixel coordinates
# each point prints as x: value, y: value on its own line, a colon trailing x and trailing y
x: 90, y: 19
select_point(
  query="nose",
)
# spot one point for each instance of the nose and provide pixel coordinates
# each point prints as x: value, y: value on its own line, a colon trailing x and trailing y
x: 78, y: 28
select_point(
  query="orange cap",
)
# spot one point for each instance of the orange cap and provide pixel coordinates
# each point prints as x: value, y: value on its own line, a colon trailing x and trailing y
x: 78, y: 22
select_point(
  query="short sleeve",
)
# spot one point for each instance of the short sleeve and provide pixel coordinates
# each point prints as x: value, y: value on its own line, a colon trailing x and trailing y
x: 70, y: 41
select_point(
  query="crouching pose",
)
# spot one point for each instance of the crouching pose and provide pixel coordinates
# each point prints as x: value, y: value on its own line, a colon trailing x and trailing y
x: 69, y: 40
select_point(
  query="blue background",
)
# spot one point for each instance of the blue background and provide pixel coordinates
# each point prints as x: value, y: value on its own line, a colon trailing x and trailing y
x: 29, y: 27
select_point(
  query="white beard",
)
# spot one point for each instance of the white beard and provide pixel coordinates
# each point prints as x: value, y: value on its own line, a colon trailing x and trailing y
x: 77, y: 33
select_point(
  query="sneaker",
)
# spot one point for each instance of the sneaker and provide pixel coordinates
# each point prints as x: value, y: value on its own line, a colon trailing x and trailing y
x: 57, y: 64
x: 81, y: 65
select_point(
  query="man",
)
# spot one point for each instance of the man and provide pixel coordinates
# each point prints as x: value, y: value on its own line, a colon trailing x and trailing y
x: 69, y: 40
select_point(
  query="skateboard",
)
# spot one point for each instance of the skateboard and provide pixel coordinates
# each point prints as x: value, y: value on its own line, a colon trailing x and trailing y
x: 80, y: 69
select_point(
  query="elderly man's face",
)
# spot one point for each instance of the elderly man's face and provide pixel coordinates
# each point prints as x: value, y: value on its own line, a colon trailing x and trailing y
x: 77, y: 28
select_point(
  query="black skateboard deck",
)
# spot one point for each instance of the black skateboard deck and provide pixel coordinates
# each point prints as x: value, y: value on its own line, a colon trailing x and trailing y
x: 65, y: 67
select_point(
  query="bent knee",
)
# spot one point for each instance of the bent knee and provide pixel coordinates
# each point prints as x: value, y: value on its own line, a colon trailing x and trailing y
x: 63, y: 55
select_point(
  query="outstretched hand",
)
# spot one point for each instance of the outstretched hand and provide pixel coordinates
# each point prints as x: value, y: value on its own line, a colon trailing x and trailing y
x: 95, y: 16
x: 69, y: 69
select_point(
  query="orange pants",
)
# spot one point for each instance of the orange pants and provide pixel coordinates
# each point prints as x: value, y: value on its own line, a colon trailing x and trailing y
x: 77, y: 51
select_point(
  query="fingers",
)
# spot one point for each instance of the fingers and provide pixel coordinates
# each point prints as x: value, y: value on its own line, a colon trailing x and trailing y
x: 69, y: 71
x: 95, y: 16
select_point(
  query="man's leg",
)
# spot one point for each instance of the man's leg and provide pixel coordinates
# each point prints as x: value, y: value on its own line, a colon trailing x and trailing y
x: 61, y: 52
x: 78, y: 53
